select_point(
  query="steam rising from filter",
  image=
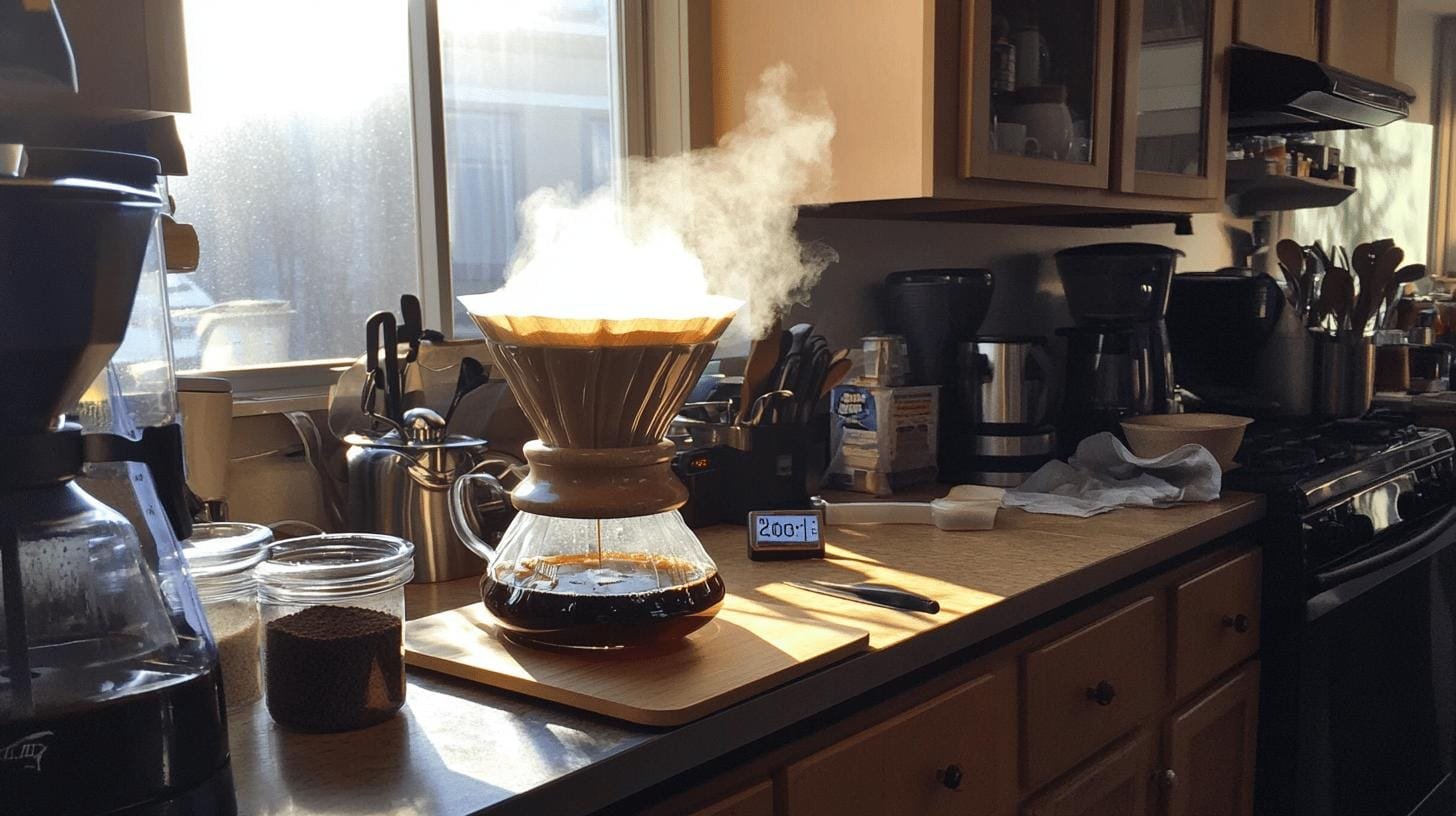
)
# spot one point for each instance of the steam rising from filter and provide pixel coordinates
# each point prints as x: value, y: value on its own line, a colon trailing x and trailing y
x: 688, y: 235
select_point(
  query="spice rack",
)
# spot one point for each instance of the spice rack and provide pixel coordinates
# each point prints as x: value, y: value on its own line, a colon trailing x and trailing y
x: 1251, y: 189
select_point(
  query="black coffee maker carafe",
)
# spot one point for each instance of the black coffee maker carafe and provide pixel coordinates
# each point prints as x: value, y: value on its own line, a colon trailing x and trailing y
x: 1118, y: 362
x: 110, y: 694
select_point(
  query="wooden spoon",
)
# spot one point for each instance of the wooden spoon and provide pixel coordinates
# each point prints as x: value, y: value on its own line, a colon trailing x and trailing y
x: 1291, y: 261
x: 763, y: 358
x: 834, y: 375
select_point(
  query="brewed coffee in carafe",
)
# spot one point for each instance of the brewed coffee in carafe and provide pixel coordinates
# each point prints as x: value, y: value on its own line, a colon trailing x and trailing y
x: 598, y: 555
x: 110, y: 696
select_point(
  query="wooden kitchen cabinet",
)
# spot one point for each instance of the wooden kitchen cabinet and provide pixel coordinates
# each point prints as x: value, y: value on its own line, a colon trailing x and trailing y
x: 1117, y: 783
x: 955, y: 754
x: 753, y: 801
x: 1359, y: 36
x: 1024, y: 727
x: 1208, y: 751
x: 928, y: 121
x: 1089, y: 687
x: 1286, y: 26
x: 1047, y: 120
x: 1215, y: 622
x: 1173, y: 63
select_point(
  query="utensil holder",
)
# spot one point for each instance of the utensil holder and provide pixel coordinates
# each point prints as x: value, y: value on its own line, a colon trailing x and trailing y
x: 1344, y: 375
x: 773, y: 473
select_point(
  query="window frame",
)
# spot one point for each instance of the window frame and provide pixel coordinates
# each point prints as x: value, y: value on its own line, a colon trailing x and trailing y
x: 1441, y: 257
x: 304, y: 384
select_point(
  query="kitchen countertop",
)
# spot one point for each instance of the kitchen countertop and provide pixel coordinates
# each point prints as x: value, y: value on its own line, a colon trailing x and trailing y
x: 462, y: 748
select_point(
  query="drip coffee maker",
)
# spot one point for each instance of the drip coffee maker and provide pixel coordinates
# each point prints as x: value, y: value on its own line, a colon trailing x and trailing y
x: 110, y: 698
x: 598, y: 555
x: 1118, y: 363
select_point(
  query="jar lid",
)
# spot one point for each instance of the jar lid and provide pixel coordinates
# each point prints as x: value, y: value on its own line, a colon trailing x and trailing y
x: 225, y: 548
x: 318, y: 568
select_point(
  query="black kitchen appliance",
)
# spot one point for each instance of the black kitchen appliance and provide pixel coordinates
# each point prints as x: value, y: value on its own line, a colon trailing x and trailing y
x: 110, y: 697
x: 1118, y: 362
x: 1270, y: 92
x: 936, y: 310
x: 1357, y: 713
x: 1218, y: 323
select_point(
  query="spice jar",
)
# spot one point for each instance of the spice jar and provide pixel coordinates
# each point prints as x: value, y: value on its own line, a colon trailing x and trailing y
x: 333, y: 629
x: 221, y: 558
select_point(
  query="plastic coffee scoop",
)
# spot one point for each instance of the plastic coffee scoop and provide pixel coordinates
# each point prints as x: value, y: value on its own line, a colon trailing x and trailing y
x: 965, y: 507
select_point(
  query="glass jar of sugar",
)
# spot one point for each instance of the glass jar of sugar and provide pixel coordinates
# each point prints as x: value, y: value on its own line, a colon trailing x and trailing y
x: 221, y: 558
x: 333, y: 629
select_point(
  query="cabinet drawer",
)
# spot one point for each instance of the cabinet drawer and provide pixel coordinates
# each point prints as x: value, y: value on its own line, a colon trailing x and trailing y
x: 756, y: 800
x: 1092, y: 686
x: 1216, y: 622
x: 955, y: 754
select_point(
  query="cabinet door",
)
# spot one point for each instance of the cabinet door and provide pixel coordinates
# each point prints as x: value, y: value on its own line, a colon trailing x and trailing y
x: 1286, y: 26
x: 1215, y: 622
x: 1359, y: 37
x: 1172, y: 111
x: 1114, y: 783
x: 955, y: 754
x: 1036, y: 90
x: 1209, y: 751
x: 1092, y: 686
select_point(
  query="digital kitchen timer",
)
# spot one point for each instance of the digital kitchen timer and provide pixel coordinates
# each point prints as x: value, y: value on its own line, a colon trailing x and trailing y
x: 776, y: 535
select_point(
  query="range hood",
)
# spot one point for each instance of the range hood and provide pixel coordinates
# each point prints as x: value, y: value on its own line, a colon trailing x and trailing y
x: 1279, y: 93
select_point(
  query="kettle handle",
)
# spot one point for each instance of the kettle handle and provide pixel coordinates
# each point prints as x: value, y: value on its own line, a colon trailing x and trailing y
x: 461, y: 509
x: 1048, y: 382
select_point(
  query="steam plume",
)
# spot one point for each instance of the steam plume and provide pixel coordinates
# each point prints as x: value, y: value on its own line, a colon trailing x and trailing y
x: 687, y: 231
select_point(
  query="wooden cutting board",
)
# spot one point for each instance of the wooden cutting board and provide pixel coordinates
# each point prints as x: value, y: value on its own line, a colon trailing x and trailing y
x: 747, y: 649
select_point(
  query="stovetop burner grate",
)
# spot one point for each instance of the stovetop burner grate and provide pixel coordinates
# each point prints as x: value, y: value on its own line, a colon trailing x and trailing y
x: 1299, y: 457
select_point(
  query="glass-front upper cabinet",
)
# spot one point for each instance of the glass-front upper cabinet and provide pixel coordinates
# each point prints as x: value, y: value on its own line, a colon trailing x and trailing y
x: 1037, y: 90
x: 1172, y: 127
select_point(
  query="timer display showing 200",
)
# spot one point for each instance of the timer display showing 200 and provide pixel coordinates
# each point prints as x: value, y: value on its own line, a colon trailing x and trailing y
x: 787, y: 528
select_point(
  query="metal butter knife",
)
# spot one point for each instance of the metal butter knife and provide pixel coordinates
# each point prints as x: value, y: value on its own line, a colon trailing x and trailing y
x: 873, y: 594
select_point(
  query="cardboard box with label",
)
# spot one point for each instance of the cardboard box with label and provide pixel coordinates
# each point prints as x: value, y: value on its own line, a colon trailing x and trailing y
x: 882, y: 438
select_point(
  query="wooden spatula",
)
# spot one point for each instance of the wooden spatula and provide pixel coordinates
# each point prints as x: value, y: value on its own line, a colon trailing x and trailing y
x: 763, y: 358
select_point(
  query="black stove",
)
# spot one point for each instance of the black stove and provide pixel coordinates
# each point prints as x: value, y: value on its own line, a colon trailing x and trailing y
x: 1358, y: 635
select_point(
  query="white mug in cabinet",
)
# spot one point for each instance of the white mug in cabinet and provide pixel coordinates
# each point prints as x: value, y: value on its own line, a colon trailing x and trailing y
x: 1043, y: 109
x: 1010, y: 137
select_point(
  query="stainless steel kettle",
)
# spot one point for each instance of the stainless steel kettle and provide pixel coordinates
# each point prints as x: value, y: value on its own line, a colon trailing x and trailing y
x: 1006, y: 381
x: 400, y: 485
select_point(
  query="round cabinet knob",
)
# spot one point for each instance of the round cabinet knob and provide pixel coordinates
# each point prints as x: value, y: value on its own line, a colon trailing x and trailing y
x: 950, y: 776
x: 1102, y: 693
x: 1167, y: 778
x: 1238, y: 623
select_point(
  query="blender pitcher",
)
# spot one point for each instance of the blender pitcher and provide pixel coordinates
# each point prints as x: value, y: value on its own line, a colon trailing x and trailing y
x: 597, y: 555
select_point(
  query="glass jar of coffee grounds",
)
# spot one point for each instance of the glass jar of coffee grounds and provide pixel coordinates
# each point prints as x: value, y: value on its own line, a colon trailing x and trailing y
x: 221, y: 558
x: 333, y: 630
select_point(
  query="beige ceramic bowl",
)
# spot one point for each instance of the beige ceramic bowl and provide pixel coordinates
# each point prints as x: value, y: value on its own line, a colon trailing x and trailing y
x: 1156, y: 434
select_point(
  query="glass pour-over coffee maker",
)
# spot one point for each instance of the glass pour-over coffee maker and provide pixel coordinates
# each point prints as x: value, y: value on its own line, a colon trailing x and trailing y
x: 598, y: 556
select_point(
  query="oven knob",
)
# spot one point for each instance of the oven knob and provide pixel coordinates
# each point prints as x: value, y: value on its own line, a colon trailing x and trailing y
x: 1411, y: 504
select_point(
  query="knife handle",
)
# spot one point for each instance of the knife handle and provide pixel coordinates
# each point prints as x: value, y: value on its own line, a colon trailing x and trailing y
x: 897, y: 598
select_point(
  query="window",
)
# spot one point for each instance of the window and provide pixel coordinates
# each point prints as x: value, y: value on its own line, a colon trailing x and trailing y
x: 302, y: 158
x: 527, y: 99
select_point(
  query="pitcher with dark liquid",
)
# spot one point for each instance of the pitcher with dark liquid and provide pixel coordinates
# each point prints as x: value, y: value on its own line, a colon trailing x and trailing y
x: 598, y: 555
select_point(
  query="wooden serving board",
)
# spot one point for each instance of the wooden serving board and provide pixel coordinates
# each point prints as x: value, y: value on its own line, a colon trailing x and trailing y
x: 747, y: 649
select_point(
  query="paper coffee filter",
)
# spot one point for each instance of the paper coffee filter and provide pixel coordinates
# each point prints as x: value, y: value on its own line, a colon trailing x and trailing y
x: 508, y: 319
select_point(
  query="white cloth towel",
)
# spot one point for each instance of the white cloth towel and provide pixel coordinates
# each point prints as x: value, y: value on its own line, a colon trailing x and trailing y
x: 1104, y: 475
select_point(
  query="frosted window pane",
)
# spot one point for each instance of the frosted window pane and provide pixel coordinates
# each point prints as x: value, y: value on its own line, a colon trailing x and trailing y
x: 528, y: 92
x: 301, y: 179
